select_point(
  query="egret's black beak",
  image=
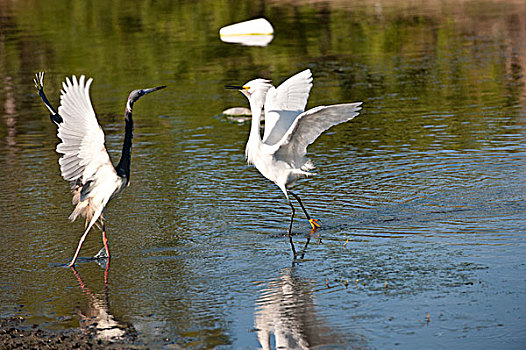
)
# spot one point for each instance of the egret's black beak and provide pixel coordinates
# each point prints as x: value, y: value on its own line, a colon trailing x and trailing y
x: 234, y: 87
x: 147, y: 91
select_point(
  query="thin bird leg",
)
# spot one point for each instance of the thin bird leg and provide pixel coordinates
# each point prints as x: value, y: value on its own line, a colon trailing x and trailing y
x: 290, y: 229
x: 104, y: 239
x: 313, y: 222
x: 78, y: 249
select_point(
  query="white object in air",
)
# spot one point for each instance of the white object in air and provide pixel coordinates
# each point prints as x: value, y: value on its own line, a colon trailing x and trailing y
x: 256, y: 32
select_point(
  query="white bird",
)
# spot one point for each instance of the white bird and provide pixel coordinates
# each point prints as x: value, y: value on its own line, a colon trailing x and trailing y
x: 281, y: 155
x: 85, y: 162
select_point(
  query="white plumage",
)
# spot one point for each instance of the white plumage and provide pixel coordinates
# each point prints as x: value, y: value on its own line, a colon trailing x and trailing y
x: 85, y: 162
x: 307, y: 127
x: 284, y: 104
x: 281, y: 155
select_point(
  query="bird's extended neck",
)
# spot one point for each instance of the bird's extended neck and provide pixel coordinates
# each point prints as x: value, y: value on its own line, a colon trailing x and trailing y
x: 254, y: 139
x: 124, y: 166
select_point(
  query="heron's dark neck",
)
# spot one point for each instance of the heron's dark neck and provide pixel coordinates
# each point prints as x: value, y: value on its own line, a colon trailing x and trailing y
x: 123, y: 168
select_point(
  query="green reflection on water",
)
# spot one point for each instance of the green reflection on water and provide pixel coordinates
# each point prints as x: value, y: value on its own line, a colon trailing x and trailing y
x: 441, y: 77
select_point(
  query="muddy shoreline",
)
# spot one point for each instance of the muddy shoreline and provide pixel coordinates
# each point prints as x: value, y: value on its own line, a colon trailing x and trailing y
x: 16, y: 334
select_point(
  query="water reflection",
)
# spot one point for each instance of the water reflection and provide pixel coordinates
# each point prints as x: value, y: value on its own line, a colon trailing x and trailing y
x: 9, y: 112
x: 97, y: 318
x: 437, y: 169
x: 248, y: 40
x: 286, y: 315
x: 301, y: 254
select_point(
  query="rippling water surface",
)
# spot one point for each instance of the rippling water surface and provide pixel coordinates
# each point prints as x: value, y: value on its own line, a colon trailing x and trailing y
x: 422, y: 197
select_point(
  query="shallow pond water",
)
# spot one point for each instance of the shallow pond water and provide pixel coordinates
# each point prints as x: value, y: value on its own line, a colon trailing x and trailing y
x: 421, y: 197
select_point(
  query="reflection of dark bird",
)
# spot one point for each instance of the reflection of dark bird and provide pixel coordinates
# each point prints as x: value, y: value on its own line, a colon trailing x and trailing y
x: 85, y: 162
x: 98, y: 317
x: 281, y: 155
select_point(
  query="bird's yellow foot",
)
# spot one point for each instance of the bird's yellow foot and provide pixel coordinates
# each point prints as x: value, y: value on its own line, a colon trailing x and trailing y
x: 314, y: 223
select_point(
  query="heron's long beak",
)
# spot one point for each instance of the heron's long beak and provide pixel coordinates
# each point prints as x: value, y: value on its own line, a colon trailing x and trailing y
x: 147, y: 91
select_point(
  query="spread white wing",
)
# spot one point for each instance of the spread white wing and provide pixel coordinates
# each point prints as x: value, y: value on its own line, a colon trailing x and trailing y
x: 308, y: 126
x: 82, y: 146
x: 284, y: 104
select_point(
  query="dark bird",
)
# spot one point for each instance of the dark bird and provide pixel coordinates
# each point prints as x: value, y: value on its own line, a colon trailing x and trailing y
x: 85, y: 162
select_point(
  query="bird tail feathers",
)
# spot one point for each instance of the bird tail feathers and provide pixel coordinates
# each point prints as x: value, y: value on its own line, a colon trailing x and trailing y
x: 308, y: 166
x: 302, y: 173
x: 84, y: 208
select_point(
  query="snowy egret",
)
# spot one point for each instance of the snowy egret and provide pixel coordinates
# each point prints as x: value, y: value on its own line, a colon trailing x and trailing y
x: 85, y: 162
x: 281, y: 155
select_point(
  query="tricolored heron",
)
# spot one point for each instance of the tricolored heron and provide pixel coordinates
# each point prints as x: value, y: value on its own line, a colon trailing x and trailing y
x: 281, y: 155
x: 85, y: 162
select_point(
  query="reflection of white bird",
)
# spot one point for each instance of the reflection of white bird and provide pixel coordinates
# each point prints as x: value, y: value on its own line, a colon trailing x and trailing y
x: 286, y: 312
x: 85, y: 162
x: 281, y: 155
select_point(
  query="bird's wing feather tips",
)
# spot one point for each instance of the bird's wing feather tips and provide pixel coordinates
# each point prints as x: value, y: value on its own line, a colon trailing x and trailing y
x: 284, y: 104
x: 309, y: 126
x: 82, y: 137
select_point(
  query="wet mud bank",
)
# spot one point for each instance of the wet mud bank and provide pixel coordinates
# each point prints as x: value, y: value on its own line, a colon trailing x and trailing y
x: 16, y: 334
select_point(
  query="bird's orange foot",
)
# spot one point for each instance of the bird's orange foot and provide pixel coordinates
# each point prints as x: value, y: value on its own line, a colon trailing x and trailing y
x: 314, y: 223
